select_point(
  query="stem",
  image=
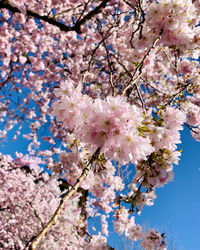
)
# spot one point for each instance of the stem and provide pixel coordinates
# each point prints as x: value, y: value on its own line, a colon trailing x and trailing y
x: 64, y: 200
x: 138, y: 71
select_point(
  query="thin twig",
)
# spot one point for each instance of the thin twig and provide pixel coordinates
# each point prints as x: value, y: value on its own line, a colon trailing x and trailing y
x: 36, y: 214
x: 66, y: 11
x: 138, y: 69
x: 110, y: 66
x: 98, y: 45
x: 172, y: 65
x: 154, y: 88
x: 140, y: 16
x: 176, y: 94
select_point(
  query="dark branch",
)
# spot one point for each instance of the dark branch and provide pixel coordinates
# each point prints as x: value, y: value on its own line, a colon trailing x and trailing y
x: 92, y: 13
x: 77, y: 27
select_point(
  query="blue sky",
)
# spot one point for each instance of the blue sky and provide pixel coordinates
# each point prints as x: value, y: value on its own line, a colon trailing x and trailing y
x: 176, y: 209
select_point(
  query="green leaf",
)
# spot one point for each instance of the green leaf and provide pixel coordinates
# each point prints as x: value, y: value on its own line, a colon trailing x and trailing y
x: 155, y: 119
x: 144, y: 129
x: 146, y: 123
x: 136, y: 64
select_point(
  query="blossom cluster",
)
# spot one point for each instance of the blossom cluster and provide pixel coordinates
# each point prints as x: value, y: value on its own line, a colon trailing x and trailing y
x: 174, y: 20
x: 115, y: 126
x: 110, y: 124
x: 149, y: 240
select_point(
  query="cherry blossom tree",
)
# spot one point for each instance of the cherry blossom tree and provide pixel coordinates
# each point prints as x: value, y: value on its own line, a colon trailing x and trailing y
x: 104, y: 88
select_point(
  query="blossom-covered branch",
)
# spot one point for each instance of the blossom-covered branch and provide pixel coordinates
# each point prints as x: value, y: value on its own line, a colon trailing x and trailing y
x: 64, y: 200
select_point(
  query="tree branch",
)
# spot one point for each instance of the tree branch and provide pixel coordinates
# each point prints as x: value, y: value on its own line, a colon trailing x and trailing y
x: 64, y: 200
x: 138, y: 71
x: 5, y: 4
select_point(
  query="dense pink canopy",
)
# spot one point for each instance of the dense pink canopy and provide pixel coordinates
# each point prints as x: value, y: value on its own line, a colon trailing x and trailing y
x: 111, y: 83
